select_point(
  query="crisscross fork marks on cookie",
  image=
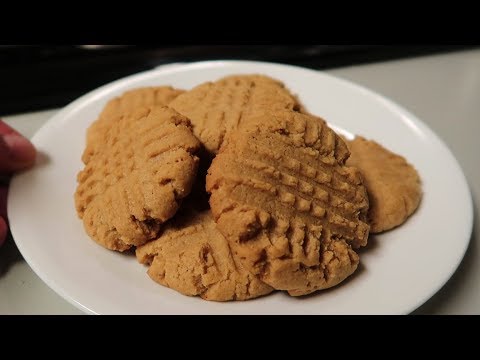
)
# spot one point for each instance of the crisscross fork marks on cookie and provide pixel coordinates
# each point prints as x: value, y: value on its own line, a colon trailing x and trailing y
x: 125, y: 105
x: 280, y: 220
x: 139, y: 178
x: 218, y: 108
x: 114, y: 162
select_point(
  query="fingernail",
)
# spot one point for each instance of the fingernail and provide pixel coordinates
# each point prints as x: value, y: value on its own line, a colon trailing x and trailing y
x: 20, y: 148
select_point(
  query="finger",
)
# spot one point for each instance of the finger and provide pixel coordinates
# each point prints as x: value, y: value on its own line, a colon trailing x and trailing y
x: 16, y: 152
x: 3, y: 231
x: 7, y: 129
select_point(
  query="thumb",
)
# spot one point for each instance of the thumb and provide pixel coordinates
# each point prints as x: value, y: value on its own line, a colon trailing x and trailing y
x: 16, y: 152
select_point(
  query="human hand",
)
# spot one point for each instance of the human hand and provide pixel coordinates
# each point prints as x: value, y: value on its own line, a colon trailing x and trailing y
x: 16, y: 153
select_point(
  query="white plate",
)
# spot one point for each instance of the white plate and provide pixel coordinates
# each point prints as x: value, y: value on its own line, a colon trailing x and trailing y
x: 399, y: 271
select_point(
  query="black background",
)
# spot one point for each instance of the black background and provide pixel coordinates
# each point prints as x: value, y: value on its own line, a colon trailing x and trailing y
x: 41, y: 77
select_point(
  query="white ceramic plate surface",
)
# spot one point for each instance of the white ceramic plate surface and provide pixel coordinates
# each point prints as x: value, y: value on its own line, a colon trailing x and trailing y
x: 399, y: 271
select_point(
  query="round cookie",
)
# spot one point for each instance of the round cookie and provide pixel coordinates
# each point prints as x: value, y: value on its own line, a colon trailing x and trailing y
x: 192, y: 257
x: 289, y: 207
x: 393, y: 185
x: 124, y: 105
x: 218, y: 108
x: 144, y: 167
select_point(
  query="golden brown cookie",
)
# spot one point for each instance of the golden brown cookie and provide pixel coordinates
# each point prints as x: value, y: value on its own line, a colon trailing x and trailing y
x: 289, y: 207
x: 393, y: 185
x: 217, y: 108
x: 192, y: 257
x: 145, y: 166
x: 125, y: 104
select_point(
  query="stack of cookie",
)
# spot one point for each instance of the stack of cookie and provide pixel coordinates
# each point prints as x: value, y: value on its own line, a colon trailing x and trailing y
x: 232, y: 190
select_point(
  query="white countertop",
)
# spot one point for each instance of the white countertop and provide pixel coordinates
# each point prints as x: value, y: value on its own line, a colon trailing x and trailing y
x: 442, y: 90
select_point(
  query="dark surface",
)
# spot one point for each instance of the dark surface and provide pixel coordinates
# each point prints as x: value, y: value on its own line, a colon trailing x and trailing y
x: 42, y: 77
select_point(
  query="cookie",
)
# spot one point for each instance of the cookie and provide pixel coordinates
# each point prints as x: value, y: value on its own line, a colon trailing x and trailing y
x: 218, y: 108
x: 192, y: 257
x: 145, y: 166
x: 393, y: 185
x: 125, y: 104
x: 289, y: 207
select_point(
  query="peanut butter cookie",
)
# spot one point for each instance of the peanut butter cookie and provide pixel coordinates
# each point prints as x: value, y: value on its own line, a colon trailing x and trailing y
x: 393, y: 185
x: 287, y: 204
x: 145, y: 166
x: 192, y: 257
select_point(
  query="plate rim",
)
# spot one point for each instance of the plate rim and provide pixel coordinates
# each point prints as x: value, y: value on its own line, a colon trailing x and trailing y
x: 180, y: 67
